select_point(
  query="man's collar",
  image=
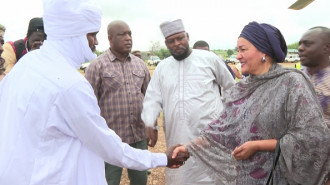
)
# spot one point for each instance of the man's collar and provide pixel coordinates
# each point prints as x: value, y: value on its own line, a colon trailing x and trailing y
x: 113, y: 57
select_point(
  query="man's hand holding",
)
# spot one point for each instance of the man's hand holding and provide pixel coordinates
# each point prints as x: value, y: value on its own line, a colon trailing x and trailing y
x: 176, y: 156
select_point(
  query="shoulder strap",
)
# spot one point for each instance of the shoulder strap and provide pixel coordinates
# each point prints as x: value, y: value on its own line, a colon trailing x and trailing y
x: 277, y: 156
x: 19, y: 45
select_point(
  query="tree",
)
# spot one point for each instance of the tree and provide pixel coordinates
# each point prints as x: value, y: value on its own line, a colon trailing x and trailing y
x: 229, y: 52
x: 293, y: 46
x: 155, y: 46
x: 163, y: 53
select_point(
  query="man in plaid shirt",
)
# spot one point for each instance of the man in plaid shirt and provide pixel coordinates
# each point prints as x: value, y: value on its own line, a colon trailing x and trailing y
x: 120, y: 80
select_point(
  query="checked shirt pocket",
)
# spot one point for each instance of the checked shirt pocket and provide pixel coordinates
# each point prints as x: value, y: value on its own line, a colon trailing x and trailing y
x: 112, y: 80
x: 138, y: 77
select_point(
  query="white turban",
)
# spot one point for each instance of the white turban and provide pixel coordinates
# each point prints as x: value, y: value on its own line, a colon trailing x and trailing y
x: 67, y: 23
x: 70, y: 18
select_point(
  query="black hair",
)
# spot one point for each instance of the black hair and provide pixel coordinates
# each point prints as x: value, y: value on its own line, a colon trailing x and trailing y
x: 35, y: 25
x: 200, y: 43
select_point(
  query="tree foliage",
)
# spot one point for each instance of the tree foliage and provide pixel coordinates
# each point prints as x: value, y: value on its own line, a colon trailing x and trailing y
x: 162, y: 53
x: 293, y: 46
x: 154, y: 48
x: 229, y: 52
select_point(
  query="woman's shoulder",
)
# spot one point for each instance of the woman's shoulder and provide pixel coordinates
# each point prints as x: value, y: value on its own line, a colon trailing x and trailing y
x: 296, y: 79
x: 297, y: 75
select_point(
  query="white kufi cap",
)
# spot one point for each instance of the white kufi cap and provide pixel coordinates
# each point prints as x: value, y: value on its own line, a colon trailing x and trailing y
x: 172, y: 27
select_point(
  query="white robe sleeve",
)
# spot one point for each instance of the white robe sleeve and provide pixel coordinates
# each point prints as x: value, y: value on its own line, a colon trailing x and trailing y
x: 223, y: 77
x: 152, y: 103
x: 78, y: 109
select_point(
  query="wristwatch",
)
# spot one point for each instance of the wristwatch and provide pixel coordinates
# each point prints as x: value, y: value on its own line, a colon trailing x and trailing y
x: 155, y: 127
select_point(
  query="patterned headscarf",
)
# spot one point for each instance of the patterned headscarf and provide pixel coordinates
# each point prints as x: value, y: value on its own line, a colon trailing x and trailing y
x: 267, y: 39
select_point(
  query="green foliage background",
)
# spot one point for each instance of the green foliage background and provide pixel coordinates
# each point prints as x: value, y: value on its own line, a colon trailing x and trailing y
x: 293, y: 46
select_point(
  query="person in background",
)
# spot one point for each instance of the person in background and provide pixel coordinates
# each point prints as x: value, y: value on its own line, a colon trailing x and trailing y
x: 272, y: 107
x: 13, y: 51
x: 2, y: 61
x: 314, y: 53
x: 186, y: 87
x: 120, y: 80
x: 205, y: 46
x: 238, y: 72
x: 51, y: 130
x: 137, y: 53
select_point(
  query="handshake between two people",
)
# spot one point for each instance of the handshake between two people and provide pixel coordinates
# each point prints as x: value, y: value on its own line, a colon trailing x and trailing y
x: 176, y: 156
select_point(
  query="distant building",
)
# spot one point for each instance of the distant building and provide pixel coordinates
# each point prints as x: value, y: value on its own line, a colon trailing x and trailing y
x: 292, y: 51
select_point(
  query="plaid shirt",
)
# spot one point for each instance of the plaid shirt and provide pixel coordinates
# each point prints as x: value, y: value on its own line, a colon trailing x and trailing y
x: 120, y: 88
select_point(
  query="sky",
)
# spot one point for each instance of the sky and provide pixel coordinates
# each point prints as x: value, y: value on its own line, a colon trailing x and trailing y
x: 218, y: 22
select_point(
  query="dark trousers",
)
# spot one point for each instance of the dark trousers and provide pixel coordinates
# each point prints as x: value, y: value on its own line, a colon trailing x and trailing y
x: 113, y: 173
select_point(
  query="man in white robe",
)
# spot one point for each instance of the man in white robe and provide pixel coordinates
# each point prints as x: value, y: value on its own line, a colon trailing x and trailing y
x: 51, y: 131
x: 186, y: 87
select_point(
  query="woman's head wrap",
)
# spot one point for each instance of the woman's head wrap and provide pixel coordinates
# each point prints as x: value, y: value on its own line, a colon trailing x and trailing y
x: 267, y: 39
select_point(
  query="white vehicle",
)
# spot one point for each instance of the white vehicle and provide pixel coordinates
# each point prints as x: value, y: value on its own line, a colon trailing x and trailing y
x: 153, y: 60
x: 232, y: 59
x: 292, y: 58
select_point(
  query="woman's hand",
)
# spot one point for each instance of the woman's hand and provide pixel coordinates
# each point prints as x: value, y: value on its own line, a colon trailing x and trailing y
x: 245, y: 151
x: 249, y: 148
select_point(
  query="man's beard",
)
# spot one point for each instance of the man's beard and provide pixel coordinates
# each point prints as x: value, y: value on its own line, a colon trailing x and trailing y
x: 181, y: 56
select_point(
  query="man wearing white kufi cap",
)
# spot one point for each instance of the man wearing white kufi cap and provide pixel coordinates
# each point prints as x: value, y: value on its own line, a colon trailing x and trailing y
x: 51, y: 131
x: 186, y: 87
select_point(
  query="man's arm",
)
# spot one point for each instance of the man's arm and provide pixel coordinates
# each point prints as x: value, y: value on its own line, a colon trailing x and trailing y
x: 152, y: 132
x: 80, y: 119
x: 152, y: 103
x: 223, y: 77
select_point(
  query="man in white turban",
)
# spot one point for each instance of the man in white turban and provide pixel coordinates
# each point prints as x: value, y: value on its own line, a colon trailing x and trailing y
x: 51, y: 131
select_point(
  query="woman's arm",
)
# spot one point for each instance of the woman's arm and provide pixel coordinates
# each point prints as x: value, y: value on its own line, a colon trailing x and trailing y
x: 249, y: 148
